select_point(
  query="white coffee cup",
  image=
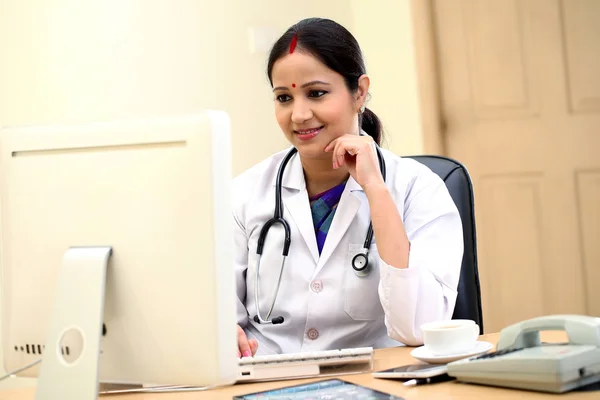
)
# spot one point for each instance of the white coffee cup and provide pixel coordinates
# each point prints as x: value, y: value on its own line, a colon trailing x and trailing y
x: 450, y: 337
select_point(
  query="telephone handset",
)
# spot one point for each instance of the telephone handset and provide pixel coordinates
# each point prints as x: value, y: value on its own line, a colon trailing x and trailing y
x: 522, y: 361
x: 580, y: 329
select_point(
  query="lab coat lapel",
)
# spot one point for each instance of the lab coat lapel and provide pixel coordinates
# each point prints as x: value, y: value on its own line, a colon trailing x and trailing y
x: 344, y: 215
x: 298, y: 206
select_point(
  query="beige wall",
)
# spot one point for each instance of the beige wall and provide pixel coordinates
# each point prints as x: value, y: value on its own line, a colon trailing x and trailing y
x: 65, y: 61
x: 385, y: 32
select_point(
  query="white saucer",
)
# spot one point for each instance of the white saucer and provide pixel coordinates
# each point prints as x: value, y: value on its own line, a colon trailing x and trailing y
x: 423, y: 354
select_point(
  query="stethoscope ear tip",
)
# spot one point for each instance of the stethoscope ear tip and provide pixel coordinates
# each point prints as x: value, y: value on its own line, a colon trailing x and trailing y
x: 274, y: 321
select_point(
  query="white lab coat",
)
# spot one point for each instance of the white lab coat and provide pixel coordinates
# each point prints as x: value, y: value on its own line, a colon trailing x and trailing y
x: 324, y: 304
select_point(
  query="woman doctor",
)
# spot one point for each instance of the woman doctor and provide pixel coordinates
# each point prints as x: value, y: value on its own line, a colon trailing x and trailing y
x: 327, y: 294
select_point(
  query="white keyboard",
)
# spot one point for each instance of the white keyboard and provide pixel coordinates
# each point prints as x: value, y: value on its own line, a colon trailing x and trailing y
x: 306, y: 364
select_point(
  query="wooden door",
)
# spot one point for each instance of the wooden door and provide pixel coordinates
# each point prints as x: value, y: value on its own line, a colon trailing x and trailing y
x: 520, y: 104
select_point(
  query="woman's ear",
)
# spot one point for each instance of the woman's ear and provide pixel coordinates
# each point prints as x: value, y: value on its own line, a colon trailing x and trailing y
x: 362, y: 91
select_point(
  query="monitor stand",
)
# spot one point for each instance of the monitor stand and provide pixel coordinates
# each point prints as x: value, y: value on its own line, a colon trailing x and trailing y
x: 77, y: 316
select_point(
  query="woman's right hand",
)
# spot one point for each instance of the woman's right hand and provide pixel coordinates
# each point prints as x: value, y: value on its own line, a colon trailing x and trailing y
x: 246, y: 348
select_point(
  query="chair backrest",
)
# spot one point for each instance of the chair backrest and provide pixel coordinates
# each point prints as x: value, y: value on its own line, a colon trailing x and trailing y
x: 458, y: 182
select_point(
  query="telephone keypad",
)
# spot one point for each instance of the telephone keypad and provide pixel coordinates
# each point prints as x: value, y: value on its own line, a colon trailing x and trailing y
x: 497, y: 353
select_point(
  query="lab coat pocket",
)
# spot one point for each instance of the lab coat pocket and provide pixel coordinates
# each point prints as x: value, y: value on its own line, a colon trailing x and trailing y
x: 361, y: 298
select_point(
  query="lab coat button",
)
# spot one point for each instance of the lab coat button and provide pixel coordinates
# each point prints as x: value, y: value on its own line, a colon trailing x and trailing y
x: 316, y: 286
x: 312, y: 334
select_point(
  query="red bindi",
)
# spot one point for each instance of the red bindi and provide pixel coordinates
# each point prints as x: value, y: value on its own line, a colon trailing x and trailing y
x: 293, y: 43
x: 293, y: 85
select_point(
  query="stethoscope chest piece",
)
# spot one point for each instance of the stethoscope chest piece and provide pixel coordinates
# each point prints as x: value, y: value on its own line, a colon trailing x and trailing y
x: 360, y: 264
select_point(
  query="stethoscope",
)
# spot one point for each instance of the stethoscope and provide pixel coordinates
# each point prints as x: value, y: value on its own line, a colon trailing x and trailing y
x: 360, y: 262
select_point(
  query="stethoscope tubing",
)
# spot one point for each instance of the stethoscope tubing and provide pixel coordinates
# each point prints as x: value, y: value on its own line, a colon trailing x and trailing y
x: 360, y: 263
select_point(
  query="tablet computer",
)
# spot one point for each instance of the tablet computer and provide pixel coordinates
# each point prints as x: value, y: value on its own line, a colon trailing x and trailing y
x: 332, y: 388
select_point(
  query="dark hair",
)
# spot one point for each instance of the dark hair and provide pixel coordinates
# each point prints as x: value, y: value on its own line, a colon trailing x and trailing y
x: 334, y: 46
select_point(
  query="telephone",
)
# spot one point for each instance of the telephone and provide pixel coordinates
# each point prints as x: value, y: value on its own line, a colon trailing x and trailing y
x: 522, y: 361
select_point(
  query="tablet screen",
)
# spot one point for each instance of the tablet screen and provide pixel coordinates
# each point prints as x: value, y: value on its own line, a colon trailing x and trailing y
x: 333, y: 388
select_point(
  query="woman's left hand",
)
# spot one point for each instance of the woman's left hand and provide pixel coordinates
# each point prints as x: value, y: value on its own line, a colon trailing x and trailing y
x: 360, y: 157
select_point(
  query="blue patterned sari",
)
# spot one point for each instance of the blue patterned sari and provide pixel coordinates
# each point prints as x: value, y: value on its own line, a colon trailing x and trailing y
x: 323, y: 208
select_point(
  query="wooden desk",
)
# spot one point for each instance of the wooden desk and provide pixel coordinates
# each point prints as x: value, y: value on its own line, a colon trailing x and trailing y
x: 384, y: 358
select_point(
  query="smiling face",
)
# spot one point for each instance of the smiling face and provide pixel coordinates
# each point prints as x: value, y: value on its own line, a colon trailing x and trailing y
x: 313, y: 105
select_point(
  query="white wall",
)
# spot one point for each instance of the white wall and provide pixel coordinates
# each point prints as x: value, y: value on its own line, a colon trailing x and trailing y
x: 67, y: 61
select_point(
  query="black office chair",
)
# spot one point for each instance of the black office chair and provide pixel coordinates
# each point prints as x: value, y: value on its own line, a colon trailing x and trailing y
x: 458, y: 182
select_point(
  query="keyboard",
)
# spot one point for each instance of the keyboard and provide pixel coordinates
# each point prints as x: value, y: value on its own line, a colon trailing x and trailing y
x: 305, y: 364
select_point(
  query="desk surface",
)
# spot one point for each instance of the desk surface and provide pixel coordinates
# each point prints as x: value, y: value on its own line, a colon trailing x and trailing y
x: 384, y: 358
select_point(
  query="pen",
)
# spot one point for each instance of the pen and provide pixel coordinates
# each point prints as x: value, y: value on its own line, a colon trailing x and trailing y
x: 433, y: 379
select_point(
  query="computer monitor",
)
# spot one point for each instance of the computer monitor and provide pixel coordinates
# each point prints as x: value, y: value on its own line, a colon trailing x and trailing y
x: 118, y: 235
